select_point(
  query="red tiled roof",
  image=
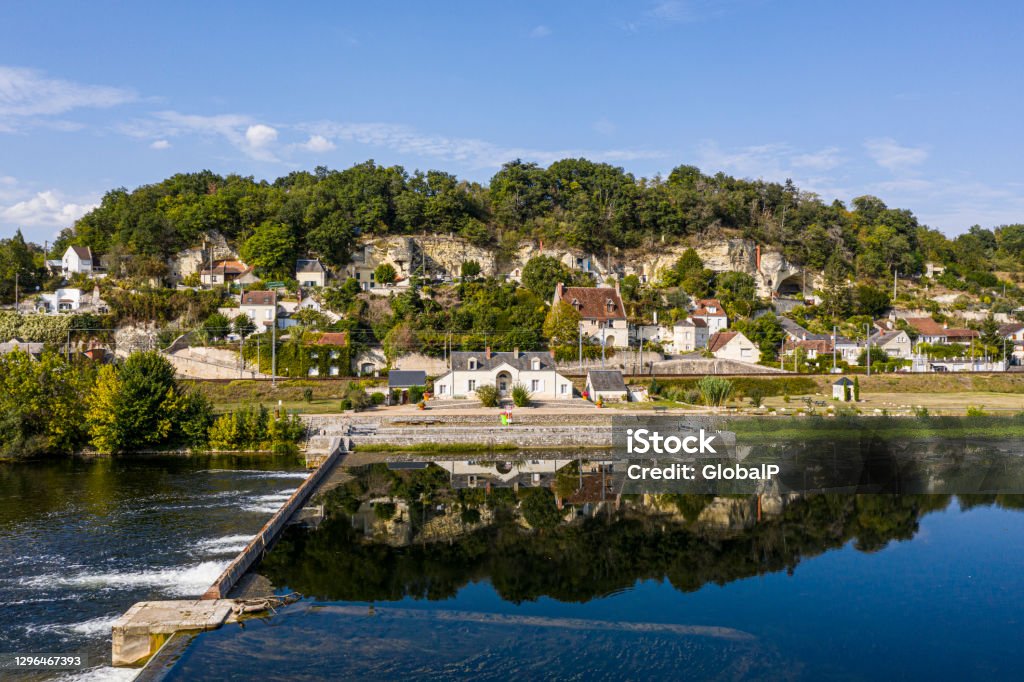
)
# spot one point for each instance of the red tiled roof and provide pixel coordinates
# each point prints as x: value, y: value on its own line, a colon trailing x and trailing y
x: 819, y: 345
x: 227, y: 267
x: 929, y: 327
x: 333, y: 339
x: 719, y: 339
x: 259, y: 298
x: 593, y: 303
x: 704, y: 303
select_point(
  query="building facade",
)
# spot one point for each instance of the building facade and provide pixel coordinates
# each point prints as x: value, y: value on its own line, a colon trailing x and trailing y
x: 534, y: 370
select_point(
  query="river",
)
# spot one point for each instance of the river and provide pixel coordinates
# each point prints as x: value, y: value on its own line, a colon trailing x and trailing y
x: 83, y: 540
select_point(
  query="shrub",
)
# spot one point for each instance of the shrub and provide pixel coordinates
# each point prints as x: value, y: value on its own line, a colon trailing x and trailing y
x: 470, y: 516
x: 974, y: 411
x: 415, y: 394
x: 307, y: 394
x: 755, y: 397
x: 384, y: 510
x: 521, y: 395
x: 714, y: 391
x: 346, y: 405
x: 690, y: 396
x: 539, y: 508
x: 488, y: 395
x: 377, y: 398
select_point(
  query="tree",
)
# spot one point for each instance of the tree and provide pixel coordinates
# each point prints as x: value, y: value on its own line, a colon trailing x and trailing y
x: 541, y: 275
x: 836, y: 297
x: 688, y: 265
x: 629, y: 287
x: 562, y: 324
x: 737, y: 291
x: 217, y: 326
x: 16, y: 258
x: 244, y: 325
x: 385, y: 273
x: 470, y: 269
x: 871, y: 301
x: 539, y: 509
x: 271, y: 250
x: 141, y: 405
x: 487, y: 395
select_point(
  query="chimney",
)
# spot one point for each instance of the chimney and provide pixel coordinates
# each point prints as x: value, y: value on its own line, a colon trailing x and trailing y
x: 487, y: 352
x: 552, y: 353
x: 559, y: 290
x: 515, y: 351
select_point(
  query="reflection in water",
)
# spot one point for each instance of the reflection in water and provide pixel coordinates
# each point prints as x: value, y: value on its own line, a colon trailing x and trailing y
x: 540, y: 569
x: 426, y: 533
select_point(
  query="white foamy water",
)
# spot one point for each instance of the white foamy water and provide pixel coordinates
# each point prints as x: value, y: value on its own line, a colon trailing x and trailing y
x: 89, y: 628
x: 102, y: 674
x: 187, y: 581
x: 257, y: 473
x: 229, y: 544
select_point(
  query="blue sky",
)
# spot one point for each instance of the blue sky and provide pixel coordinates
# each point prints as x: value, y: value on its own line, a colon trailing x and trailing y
x: 917, y: 102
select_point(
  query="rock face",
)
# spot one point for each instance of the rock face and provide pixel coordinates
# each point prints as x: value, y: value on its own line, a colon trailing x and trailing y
x: 771, y: 271
x: 439, y: 255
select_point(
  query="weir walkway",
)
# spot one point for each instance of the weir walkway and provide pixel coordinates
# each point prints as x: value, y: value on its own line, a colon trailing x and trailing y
x: 148, y: 625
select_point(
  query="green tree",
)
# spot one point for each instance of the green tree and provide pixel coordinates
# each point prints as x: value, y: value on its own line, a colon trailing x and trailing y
x: 562, y: 323
x: 243, y: 325
x: 217, y: 326
x: 738, y: 293
x: 385, y: 274
x: 871, y: 301
x: 141, y: 405
x: 836, y: 296
x: 271, y: 250
x: 541, y: 275
x: 487, y: 395
x: 470, y: 269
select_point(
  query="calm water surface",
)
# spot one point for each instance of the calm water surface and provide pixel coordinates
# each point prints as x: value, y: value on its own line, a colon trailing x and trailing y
x: 831, y: 587
x: 81, y: 541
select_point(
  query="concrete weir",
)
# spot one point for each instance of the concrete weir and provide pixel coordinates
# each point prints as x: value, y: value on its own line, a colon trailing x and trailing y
x: 146, y: 626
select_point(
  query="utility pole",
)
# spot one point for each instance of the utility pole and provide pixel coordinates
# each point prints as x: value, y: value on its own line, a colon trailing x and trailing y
x: 895, y: 276
x: 273, y: 354
x: 580, y: 328
x: 15, y: 292
x: 834, y: 349
x: 867, y: 342
x: 602, y: 347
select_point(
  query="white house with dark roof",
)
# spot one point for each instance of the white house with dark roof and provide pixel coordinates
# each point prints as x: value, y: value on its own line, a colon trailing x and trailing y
x: 534, y: 370
x: 77, y: 260
x: 686, y: 336
x: 895, y: 343
x: 310, y: 272
x: 602, y: 315
x: 606, y: 385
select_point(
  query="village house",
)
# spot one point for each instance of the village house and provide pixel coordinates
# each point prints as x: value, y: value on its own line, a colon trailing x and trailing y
x: 311, y: 273
x: 329, y: 343
x: 361, y: 266
x: 811, y: 348
x: 471, y: 370
x: 16, y: 344
x: 401, y: 381
x: 227, y: 272
x: 932, y: 332
x: 77, y: 260
x: 606, y: 385
x: 1012, y: 331
x: 602, y: 315
x: 710, y: 310
x: 686, y: 336
x: 260, y: 306
x: 895, y: 343
x: 733, y: 346
x: 60, y: 301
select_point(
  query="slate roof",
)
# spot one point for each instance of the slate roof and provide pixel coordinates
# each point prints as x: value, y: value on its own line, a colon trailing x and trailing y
x: 606, y: 380
x: 404, y: 378
x: 882, y: 338
x: 692, y: 322
x: 593, y: 303
x: 842, y: 382
x: 460, y: 360
x: 84, y: 252
x: 309, y: 265
x: 1010, y: 328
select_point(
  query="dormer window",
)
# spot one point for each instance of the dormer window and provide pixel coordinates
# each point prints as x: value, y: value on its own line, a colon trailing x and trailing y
x: 535, y: 364
x: 473, y: 364
x: 712, y: 309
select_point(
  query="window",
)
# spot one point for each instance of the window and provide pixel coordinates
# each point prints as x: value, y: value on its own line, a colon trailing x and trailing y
x: 213, y: 278
x: 471, y: 385
x: 268, y: 314
x: 472, y: 363
x: 745, y: 352
x: 563, y: 389
x: 535, y: 385
x: 535, y: 364
x: 442, y: 389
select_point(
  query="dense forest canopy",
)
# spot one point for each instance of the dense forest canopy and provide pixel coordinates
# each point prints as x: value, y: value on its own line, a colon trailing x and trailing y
x: 573, y: 202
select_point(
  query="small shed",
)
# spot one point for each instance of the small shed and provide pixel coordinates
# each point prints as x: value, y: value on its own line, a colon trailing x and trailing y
x: 842, y: 389
x: 607, y: 385
x: 401, y: 380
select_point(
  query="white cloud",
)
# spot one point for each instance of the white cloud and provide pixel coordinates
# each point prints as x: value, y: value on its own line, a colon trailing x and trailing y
x: 260, y: 135
x: 674, y: 11
x: 27, y: 93
x: 317, y: 144
x: 823, y: 159
x: 253, y: 139
x: 473, y: 152
x: 889, y: 154
x: 540, y: 31
x: 160, y: 144
x: 47, y: 209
